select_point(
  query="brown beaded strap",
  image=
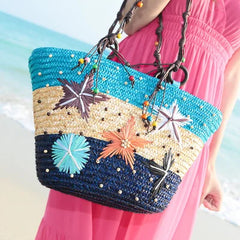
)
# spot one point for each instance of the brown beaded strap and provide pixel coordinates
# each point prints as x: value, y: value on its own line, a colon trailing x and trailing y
x: 110, y: 41
x: 159, y: 71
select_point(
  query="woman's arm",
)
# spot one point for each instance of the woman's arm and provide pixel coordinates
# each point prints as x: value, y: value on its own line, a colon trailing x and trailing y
x: 212, y: 193
x: 144, y: 15
x: 230, y: 94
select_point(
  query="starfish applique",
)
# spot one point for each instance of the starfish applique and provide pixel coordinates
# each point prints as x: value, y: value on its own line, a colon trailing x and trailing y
x: 123, y: 143
x: 172, y: 119
x: 79, y: 95
x: 70, y: 153
x: 160, y: 171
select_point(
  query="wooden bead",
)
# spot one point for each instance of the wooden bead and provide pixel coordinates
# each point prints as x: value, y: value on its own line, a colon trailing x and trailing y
x: 146, y: 103
x: 131, y: 78
x: 139, y: 4
x: 81, y: 60
x: 119, y: 35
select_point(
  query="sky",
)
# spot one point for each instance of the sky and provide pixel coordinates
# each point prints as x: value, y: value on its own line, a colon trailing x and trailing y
x: 85, y: 20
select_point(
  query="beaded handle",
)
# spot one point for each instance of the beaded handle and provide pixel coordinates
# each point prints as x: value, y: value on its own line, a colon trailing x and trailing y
x: 111, y: 37
x: 165, y: 75
x: 110, y: 41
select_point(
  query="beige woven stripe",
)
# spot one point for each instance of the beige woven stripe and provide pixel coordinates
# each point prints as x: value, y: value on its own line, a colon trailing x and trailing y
x: 60, y: 120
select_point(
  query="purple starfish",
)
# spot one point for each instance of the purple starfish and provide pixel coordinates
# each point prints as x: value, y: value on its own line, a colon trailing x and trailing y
x: 172, y: 119
x: 79, y: 95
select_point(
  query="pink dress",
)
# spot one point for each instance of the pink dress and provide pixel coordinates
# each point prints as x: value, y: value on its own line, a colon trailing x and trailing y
x: 213, y: 35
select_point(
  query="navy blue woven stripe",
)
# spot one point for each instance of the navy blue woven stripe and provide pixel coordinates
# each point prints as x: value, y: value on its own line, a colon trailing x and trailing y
x: 206, y: 118
x: 86, y: 184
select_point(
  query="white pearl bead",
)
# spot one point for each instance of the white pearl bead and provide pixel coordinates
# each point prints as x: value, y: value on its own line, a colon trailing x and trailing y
x: 47, y: 170
x: 118, y: 169
x: 155, y: 200
x: 119, y: 191
x: 60, y: 72
x: 72, y: 55
x: 47, y: 85
x: 79, y: 73
x: 45, y: 151
x: 151, y: 179
x: 101, y: 185
x: 97, y: 161
x: 136, y: 199
x: 50, y: 55
x: 71, y: 175
x: 39, y: 74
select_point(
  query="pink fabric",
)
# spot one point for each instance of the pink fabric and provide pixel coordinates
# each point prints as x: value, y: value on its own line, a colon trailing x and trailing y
x: 213, y: 35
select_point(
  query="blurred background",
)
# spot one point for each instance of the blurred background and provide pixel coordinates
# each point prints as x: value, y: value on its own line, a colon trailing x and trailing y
x: 75, y: 24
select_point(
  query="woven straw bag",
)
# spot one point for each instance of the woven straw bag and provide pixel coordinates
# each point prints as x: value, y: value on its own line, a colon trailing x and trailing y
x: 91, y: 142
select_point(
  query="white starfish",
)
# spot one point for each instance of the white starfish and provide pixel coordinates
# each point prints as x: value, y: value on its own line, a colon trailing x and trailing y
x: 171, y: 119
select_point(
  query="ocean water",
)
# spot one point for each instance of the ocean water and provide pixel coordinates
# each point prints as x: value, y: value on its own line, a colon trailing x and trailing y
x: 17, y: 40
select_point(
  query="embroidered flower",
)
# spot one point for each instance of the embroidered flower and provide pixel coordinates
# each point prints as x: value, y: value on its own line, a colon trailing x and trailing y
x: 172, y: 119
x: 79, y: 95
x: 70, y: 153
x: 123, y: 143
x: 162, y: 172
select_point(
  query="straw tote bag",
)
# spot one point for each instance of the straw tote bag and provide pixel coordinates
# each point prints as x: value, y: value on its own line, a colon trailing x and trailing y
x: 126, y: 146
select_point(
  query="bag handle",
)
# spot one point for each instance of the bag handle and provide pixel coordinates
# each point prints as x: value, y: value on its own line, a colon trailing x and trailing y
x: 110, y: 39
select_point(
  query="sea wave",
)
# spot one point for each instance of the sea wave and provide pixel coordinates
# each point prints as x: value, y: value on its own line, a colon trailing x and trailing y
x: 18, y: 109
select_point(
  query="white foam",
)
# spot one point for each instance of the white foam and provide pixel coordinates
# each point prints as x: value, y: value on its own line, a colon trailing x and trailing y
x: 18, y: 109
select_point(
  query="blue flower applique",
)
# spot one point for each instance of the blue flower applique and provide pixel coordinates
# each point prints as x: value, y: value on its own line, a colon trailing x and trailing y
x: 70, y: 153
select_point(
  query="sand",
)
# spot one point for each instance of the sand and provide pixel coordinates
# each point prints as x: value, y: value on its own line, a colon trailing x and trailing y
x: 23, y: 199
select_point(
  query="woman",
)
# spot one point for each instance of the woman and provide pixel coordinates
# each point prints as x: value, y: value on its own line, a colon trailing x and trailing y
x: 212, y: 53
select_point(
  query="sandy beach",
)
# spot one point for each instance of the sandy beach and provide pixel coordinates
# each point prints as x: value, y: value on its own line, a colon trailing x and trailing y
x: 23, y: 199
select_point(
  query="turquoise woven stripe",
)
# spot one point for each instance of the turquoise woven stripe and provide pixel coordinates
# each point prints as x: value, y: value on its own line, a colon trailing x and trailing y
x: 206, y: 118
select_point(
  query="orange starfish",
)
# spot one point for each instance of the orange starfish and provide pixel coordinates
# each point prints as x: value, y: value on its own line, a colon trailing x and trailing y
x: 123, y: 143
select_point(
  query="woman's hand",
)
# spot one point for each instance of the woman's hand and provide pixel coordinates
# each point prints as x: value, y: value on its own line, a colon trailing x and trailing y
x: 212, y: 192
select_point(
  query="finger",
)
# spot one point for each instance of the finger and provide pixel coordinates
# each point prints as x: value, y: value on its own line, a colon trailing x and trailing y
x: 207, y: 204
x: 211, y: 203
